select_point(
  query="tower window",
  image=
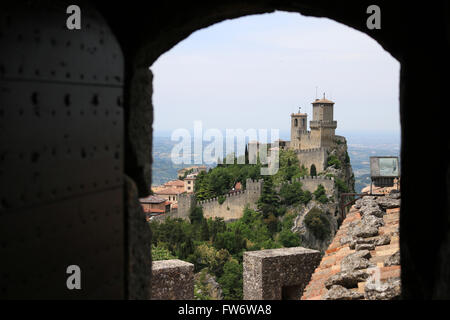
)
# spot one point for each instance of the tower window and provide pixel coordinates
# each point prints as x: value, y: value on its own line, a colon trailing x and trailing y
x: 296, y: 122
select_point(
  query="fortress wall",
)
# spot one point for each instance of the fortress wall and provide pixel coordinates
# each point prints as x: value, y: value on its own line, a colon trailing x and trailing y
x: 173, y: 214
x: 317, y: 156
x: 311, y: 183
x: 185, y: 201
x: 308, y: 142
x: 234, y: 204
x: 231, y: 208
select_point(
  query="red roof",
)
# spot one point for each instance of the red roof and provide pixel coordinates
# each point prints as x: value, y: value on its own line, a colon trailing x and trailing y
x: 152, y: 199
x: 175, y: 183
x: 169, y: 191
x: 322, y: 101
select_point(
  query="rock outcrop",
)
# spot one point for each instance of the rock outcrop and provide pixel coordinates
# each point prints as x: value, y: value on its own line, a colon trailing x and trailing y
x: 342, y: 173
x: 207, y: 286
x: 363, y: 260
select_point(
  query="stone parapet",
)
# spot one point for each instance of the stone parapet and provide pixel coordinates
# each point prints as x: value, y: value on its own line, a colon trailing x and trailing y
x: 323, y: 124
x: 277, y: 274
x: 172, y: 280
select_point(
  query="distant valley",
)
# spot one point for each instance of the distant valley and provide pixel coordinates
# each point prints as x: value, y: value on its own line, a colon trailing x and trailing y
x: 360, y: 148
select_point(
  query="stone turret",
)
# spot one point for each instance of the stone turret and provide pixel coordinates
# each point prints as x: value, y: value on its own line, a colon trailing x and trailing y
x: 299, y: 123
x: 322, y: 125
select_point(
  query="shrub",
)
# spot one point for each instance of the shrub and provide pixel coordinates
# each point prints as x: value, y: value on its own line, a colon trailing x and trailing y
x: 221, y: 199
x: 317, y: 222
x: 333, y: 160
x: 306, y: 197
x: 160, y: 252
x: 347, y: 158
x: 320, y: 194
x: 196, y: 214
x: 342, y: 187
x: 289, y: 239
x: 291, y: 193
x: 268, y: 202
x: 231, y: 280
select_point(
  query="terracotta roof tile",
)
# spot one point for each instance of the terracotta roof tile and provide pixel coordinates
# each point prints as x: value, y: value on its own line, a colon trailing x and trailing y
x: 330, y: 264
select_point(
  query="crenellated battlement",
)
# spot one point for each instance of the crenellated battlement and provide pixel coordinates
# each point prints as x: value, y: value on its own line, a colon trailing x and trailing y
x: 253, y: 186
x: 323, y: 123
x: 310, y: 183
x: 308, y: 178
x: 310, y: 150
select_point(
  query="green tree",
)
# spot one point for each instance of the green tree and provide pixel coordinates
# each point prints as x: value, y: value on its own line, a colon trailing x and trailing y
x: 289, y: 167
x: 342, y: 186
x: 196, y: 215
x: 289, y: 239
x: 204, y: 230
x: 268, y: 202
x: 306, y: 197
x: 231, y: 280
x: 317, y: 222
x: 216, y: 226
x: 333, y: 160
x: 231, y: 240
x: 272, y: 223
x: 291, y: 193
x: 160, y: 252
x: 320, y: 194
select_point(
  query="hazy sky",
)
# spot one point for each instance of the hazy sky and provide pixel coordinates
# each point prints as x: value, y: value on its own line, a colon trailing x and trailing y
x: 253, y: 72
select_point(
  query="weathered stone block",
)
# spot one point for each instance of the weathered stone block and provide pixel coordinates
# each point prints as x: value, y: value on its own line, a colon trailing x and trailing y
x: 172, y: 280
x: 277, y: 274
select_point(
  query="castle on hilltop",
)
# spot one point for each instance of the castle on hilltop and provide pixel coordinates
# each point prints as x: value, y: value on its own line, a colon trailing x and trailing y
x: 311, y: 146
x: 322, y: 127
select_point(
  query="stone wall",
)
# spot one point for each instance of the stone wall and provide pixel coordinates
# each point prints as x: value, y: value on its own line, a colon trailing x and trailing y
x: 363, y: 260
x: 307, y: 141
x: 172, y: 280
x: 311, y: 183
x: 234, y: 204
x: 231, y: 209
x: 277, y: 274
x: 317, y: 156
x: 185, y: 202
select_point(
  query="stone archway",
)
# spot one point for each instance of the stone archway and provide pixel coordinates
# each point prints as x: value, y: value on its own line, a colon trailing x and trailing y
x: 161, y: 27
x: 146, y: 30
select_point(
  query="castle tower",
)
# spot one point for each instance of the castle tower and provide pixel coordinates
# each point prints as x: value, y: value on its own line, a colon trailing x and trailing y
x: 322, y: 125
x: 298, y: 127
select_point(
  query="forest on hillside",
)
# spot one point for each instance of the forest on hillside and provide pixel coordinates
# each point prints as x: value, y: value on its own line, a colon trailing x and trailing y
x: 216, y: 247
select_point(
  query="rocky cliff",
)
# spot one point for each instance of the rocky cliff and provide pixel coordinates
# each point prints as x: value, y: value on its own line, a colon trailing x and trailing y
x: 206, y: 286
x: 326, y: 217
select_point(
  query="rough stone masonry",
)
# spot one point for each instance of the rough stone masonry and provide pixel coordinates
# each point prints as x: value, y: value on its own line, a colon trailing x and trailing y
x: 277, y: 274
x: 172, y: 280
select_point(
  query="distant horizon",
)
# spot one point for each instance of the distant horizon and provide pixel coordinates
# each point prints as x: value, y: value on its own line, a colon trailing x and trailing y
x: 285, y: 134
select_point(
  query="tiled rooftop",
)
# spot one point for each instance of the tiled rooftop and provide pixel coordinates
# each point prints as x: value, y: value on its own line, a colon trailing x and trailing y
x: 345, y: 269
